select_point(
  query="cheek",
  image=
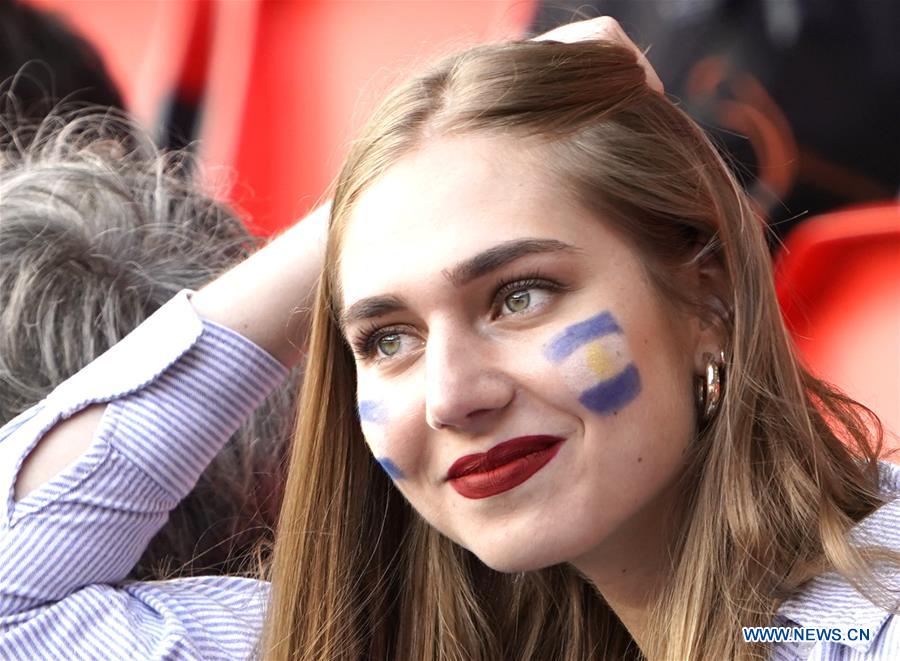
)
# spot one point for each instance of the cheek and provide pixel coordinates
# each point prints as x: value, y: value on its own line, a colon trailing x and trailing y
x: 371, y: 411
x: 595, y: 363
x: 374, y: 418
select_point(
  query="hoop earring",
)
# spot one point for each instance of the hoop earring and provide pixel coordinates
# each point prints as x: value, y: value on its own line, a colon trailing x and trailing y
x: 709, y: 386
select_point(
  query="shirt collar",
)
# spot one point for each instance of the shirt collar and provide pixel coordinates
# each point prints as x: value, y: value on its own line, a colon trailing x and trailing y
x: 829, y: 601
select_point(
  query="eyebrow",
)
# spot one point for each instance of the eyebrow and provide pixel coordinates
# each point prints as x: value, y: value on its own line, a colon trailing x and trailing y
x: 463, y: 273
x: 370, y: 308
x: 501, y: 255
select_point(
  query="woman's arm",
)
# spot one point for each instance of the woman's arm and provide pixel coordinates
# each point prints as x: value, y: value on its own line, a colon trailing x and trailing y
x: 265, y: 298
x: 177, y: 388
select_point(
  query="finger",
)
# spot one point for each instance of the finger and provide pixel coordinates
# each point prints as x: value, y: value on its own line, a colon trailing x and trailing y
x: 579, y: 31
x: 604, y: 27
x: 653, y: 79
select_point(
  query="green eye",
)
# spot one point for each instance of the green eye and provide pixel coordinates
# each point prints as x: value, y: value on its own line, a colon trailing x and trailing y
x: 518, y: 301
x: 388, y: 345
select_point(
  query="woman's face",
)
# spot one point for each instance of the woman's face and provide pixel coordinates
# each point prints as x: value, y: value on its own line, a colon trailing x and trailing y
x: 519, y: 377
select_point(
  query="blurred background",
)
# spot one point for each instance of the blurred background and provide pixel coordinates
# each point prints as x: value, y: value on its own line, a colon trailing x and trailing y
x: 802, y: 96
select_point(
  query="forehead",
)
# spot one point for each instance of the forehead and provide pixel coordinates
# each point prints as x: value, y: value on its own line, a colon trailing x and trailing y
x: 443, y: 203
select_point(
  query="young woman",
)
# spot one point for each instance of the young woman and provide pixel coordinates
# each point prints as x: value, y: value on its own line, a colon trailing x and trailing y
x: 550, y: 408
x: 533, y: 261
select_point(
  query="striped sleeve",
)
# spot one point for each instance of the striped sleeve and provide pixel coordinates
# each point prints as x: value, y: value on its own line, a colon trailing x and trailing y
x: 176, y: 394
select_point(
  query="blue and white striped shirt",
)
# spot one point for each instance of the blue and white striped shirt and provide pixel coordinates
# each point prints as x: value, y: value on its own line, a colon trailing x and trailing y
x: 177, y: 388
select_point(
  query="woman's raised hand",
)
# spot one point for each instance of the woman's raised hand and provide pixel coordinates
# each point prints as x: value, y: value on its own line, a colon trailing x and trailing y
x: 604, y: 27
x: 268, y: 297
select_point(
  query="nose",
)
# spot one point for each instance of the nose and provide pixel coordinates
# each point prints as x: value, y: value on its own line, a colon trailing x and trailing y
x: 466, y: 383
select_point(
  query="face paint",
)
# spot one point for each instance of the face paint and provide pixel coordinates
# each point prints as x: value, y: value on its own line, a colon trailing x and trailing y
x: 375, y: 413
x: 578, y: 334
x: 614, y: 393
x: 391, y: 468
x: 594, y: 354
x: 371, y: 411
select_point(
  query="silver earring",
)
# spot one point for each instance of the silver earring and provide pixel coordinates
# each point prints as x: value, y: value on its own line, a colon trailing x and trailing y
x: 709, y: 386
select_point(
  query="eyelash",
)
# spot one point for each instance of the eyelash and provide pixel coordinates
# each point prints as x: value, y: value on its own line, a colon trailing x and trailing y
x: 530, y: 280
x: 364, y: 343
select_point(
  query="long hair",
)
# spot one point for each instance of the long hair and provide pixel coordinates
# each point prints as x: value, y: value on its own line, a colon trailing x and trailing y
x: 97, y: 231
x: 770, y: 486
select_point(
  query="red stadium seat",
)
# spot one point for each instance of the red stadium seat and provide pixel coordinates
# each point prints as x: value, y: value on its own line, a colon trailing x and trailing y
x: 838, y: 281
x: 290, y: 83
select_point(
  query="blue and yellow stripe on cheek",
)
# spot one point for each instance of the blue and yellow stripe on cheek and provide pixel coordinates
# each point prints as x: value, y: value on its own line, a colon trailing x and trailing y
x: 392, y: 469
x: 593, y: 355
x: 374, y: 414
x: 369, y: 410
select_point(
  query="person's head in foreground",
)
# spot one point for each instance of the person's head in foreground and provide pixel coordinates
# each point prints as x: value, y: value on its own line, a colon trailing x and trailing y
x: 553, y: 311
x: 97, y: 231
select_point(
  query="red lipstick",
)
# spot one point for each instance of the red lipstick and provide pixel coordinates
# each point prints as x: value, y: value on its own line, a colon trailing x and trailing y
x: 503, y: 467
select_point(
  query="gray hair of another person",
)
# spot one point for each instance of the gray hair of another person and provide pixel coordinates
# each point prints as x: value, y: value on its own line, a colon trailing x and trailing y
x: 97, y: 230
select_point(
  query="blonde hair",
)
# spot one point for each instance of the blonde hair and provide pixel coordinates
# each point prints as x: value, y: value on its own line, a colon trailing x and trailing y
x: 770, y: 487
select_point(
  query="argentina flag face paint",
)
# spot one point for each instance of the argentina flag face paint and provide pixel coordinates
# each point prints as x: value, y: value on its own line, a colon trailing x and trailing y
x: 596, y: 363
x: 373, y: 417
x: 371, y: 411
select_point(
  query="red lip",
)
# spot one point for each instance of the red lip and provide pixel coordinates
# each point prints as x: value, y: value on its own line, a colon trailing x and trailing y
x: 503, y: 467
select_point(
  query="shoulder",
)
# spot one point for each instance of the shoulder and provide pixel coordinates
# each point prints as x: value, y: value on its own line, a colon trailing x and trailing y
x: 887, y: 644
x: 852, y: 625
x: 882, y: 527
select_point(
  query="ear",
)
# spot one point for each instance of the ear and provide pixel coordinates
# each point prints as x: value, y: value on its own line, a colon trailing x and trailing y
x: 712, y: 316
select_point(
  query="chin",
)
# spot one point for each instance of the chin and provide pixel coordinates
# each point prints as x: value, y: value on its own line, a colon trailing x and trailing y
x: 516, y: 560
x: 517, y: 550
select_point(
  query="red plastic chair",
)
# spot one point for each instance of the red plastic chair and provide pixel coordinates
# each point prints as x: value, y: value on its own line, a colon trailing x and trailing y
x: 838, y: 281
x: 290, y: 83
